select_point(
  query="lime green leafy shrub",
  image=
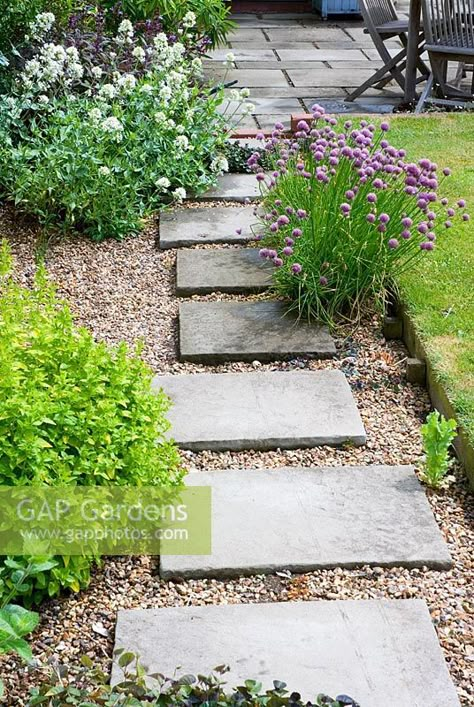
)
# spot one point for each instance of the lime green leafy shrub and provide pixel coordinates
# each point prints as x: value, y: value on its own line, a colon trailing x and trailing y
x: 438, y: 434
x: 72, y: 411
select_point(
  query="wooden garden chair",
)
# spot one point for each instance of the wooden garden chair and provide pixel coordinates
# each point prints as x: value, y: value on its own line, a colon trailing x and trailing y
x: 449, y: 31
x: 382, y: 23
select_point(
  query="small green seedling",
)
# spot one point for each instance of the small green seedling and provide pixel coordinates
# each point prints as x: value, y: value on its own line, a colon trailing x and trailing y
x: 438, y: 434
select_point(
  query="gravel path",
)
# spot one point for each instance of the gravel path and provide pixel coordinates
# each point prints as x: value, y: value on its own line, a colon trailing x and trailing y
x: 126, y: 291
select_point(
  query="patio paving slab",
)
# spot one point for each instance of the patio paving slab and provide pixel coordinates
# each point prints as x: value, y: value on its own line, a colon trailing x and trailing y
x: 188, y: 227
x: 230, y: 270
x: 233, y: 187
x: 306, y: 34
x: 381, y: 652
x: 250, y: 78
x: 329, y: 77
x: 362, y: 105
x: 261, y: 411
x: 266, y: 55
x: 216, y: 332
x: 305, y: 55
x: 301, y: 518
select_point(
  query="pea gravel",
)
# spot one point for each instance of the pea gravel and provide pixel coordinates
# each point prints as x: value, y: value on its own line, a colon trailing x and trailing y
x: 125, y: 291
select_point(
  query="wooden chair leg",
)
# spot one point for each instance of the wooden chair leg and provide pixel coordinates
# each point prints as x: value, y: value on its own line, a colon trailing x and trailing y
x: 378, y: 77
x: 425, y: 94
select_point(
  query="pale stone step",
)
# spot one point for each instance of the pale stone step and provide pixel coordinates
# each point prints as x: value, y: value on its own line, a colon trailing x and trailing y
x: 234, y: 187
x: 230, y: 270
x: 215, y: 332
x: 380, y: 652
x: 188, y: 227
x: 264, y: 410
x: 308, y: 519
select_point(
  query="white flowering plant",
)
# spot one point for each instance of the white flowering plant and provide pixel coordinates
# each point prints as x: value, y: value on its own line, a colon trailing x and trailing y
x: 98, y: 151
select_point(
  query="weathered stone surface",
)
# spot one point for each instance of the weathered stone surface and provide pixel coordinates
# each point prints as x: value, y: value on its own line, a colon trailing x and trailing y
x: 313, y: 54
x: 329, y: 77
x: 301, y: 518
x: 234, y: 187
x: 307, y: 34
x: 256, y: 54
x: 380, y: 652
x: 186, y: 227
x: 215, y: 332
x: 264, y: 410
x: 362, y: 105
x: 252, y: 78
x: 236, y: 271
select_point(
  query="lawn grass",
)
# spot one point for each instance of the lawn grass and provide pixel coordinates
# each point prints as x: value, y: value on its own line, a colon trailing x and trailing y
x: 439, y: 293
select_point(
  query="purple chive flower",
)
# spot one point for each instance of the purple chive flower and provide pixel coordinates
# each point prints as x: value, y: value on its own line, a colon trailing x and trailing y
x: 345, y: 208
x: 260, y: 177
x: 238, y: 231
x: 277, y: 262
x: 371, y: 198
x: 431, y: 215
x: 393, y: 243
x: 425, y: 163
x: 272, y: 254
x: 279, y: 126
x: 277, y: 202
x: 423, y: 227
x: 287, y: 250
x: 384, y: 218
x: 378, y: 184
x: 448, y: 224
x: 381, y: 228
x: 431, y: 236
x: 260, y: 136
x: 301, y: 213
x: 264, y: 253
x: 406, y: 235
x: 370, y: 218
x: 422, y: 204
x: 289, y: 241
x: 290, y: 210
x: 465, y: 217
x: 323, y: 281
x: 407, y: 222
x: 274, y: 227
x: 297, y: 232
x: 283, y: 220
x: 350, y: 194
x: 303, y: 125
x: 300, y: 166
x: 427, y: 245
x: 461, y: 203
x: 450, y: 211
x: 296, y: 268
x: 444, y: 201
x: 384, y: 127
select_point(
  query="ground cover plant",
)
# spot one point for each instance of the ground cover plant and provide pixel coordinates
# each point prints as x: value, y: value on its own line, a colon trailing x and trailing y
x: 90, y: 686
x: 439, y: 291
x: 72, y: 411
x: 347, y: 214
x: 100, y: 130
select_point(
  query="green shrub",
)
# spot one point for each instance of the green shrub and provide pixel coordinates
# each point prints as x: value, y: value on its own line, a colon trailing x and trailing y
x: 438, y: 434
x: 72, y: 411
x: 90, y: 686
x: 346, y: 215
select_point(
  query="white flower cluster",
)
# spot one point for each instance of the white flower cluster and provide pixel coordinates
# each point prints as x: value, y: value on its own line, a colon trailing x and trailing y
x: 41, y: 25
x: 220, y: 164
x: 113, y: 127
x: 53, y: 65
x: 125, y: 32
x: 189, y: 20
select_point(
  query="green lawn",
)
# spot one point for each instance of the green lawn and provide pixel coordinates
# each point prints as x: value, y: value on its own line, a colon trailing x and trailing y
x: 440, y: 292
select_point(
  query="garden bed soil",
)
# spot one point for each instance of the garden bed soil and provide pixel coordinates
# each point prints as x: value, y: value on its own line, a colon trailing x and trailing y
x: 126, y: 291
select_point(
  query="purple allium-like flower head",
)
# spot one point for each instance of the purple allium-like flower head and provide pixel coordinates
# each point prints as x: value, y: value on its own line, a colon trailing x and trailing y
x: 384, y: 218
x: 277, y: 262
x: 287, y: 250
x: 279, y: 126
x: 238, y: 231
x: 422, y: 204
x: 260, y: 136
x: 283, y: 220
x: 289, y: 241
x: 303, y: 125
x: 264, y: 253
x: 384, y: 127
x: 381, y: 228
x: 406, y: 234
x: 431, y: 215
x: 423, y: 227
x: 431, y: 236
x: 450, y: 211
x: 465, y: 217
x: 378, y: 183
x: 323, y: 281
x: 370, y: 218
x: 300, y: 166
x: 393, y: 243
x: 448, y: 224
x: 345, y: 208
x: 350, y: 194
x: 274, y: 227
x: 301, y: 213
x: 296, y: 268
x: 407, y: 222
x: 446, y: 171
x: 272, y: 254
x: 277, y: 202
x: 290, y: 210
x: 260, y: 177
x: 297, y: 232
x: 461, y: 203
x: 371, y: 198
x: 444, y: 201
x: 425, y: 163
x: 427, y: 245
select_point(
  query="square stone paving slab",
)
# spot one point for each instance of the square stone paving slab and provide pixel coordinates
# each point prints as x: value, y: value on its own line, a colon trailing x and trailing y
x: 320, y: 55
x: 264, y: 410
x: 234, y: 187
x: 330, y: 77
x: 186, y: 227
x: 383, y: 653
x: 231, y: 270
x: 245, y: 54
x: 301, y: 518
x: 270, y: 75
x: 215, y: 332
x: 306, y: 34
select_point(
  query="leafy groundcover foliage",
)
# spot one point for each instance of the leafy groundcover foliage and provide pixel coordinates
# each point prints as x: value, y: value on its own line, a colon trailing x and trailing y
x: 101, y: 129
x: 72, y: 411
x: 90, y: 686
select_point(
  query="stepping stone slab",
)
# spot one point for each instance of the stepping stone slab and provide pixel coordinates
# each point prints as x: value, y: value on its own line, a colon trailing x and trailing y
x: 233, y: 187
x: 232, y: 270
x: 264, y: 410
x: 380, y: 652
x: 214, y: 332
x: 309, y: 519
x: 187, y: 227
